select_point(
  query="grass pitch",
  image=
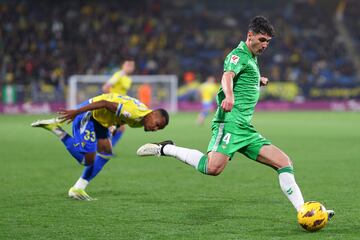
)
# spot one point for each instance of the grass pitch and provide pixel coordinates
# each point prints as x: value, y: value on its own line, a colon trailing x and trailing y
x: 162, y: 198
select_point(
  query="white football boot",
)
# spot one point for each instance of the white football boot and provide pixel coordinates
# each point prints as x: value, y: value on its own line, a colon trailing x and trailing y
x: 153, y: 149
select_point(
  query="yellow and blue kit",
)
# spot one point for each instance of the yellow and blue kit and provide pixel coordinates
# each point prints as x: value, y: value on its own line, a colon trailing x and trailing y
x: 208, y: 91
x: 120, y: 83
x: 92, y: 125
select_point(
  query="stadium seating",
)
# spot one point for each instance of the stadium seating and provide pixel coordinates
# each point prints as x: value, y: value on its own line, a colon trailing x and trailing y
x: 45, y: 42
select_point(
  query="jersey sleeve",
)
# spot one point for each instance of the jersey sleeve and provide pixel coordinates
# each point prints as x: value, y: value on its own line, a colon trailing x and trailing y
x: 110, y: 97
x: 235, y: 62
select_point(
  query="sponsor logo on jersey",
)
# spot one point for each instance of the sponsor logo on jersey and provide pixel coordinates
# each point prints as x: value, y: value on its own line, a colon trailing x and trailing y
x: 234, y: 59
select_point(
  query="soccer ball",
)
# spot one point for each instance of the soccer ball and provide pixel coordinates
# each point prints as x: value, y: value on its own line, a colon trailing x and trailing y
x: 312, y: 216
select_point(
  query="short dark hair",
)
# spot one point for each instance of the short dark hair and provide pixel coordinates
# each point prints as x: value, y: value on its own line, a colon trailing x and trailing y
x: 127, y: 58
x: 165, y: 115
x: 261, y: 24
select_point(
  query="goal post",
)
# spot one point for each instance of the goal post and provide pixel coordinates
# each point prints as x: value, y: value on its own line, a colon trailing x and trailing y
x: 162, y: 89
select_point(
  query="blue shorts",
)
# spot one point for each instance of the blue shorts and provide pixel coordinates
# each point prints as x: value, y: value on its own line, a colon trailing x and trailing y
x: 86, y: 130
x: 206, y: 107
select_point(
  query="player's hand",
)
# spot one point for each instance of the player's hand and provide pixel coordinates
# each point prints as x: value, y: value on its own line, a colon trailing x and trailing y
x: 112, y: 129
x: 263, y: 81
x: 67, y: 115
x: 227, y: 104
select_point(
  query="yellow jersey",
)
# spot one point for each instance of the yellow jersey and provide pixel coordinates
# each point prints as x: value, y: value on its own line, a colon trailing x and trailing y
x: 120, y: 83
x: 208, y: 91
x: 130, y: 111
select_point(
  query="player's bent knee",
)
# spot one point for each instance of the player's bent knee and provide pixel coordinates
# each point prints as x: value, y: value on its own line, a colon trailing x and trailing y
x: 216, y: 163
x: 214, y: 170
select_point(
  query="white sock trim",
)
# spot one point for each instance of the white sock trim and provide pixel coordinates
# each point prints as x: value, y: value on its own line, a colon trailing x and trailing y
x: 81, y: 184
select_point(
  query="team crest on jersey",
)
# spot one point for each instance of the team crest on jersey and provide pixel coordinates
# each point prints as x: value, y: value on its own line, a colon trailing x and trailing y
x: 126, y: 114
x: 234, y: 59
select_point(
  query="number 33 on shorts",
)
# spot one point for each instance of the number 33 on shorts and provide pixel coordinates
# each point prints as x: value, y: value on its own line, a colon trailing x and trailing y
x: 90, y: 136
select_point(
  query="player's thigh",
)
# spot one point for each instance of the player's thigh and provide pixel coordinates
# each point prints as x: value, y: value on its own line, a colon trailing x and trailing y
x: 273, y: 156
x: 84, y: 133
x: 221, y: 148
x: 103, y: 138
x: 253, y: 145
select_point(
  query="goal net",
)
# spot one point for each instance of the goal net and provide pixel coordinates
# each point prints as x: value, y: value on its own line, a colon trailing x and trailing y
x: 156, y: 91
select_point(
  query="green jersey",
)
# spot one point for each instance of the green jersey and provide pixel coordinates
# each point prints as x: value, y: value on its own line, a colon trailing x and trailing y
x: 246, y: 86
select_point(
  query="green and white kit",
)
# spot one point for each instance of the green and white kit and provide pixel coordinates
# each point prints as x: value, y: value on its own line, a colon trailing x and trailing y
x: 232, y: 131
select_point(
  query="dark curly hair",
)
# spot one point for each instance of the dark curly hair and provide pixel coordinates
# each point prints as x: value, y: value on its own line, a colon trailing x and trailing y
x: 164, y: 114
x: 261, y: 24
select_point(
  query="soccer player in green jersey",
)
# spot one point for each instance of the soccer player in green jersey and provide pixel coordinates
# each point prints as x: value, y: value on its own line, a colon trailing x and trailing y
x: 232, y: 130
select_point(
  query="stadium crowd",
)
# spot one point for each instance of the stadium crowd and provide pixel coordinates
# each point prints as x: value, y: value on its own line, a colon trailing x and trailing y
x: 47, y: 41
x: 352, y: 20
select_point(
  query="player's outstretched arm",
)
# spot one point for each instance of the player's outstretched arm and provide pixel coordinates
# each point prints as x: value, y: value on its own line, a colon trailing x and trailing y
x: 106, y: 87
x: 69, y: 115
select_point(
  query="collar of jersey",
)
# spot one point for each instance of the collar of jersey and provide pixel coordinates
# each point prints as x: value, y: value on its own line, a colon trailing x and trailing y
x: 242, y: 46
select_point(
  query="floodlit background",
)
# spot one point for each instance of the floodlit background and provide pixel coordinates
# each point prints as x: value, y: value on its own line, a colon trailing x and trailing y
x: 313, y: 62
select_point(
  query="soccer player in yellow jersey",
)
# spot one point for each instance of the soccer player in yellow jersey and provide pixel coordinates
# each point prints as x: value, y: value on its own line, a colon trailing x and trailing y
x: 90, y: 144
x: 120, y: 83
x: 208, y: 91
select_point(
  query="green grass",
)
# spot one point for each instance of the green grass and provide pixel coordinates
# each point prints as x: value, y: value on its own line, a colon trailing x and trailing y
x: 162, y: 198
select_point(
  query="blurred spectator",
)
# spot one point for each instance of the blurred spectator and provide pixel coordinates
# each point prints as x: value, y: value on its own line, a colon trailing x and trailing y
x: 189, y: 91
x: 208, y: 91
